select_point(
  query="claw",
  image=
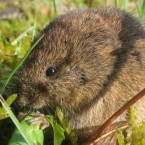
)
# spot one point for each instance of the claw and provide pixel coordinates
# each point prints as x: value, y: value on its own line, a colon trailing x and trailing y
x: 39, y: 119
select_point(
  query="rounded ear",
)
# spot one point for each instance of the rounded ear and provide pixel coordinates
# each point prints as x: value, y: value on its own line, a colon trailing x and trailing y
x: 110, y: 44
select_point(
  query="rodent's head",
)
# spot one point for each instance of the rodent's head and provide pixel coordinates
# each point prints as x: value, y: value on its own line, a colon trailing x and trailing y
x: 70, y: 65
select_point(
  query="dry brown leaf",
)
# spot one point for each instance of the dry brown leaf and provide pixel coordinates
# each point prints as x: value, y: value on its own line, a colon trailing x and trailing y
x: 108, y: 136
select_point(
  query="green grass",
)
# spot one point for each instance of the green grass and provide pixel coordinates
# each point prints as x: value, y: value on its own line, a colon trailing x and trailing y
x: 16, y: 35
x: 137, y: 132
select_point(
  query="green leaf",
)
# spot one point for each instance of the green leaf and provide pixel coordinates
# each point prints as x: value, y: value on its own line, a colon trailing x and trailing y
x: 9, y: 101
x: 34, y: 133
x: 3, y: 113
x: 58, y: 131
x: 120, y: 137
x: 71, y: 134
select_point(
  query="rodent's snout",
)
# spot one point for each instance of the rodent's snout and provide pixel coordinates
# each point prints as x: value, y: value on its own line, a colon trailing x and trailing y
x: 30, y: 101
x: 23, y: 101
x: 31, y: 96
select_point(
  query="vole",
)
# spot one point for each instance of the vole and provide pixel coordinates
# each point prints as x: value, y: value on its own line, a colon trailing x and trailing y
x: 89, y: 63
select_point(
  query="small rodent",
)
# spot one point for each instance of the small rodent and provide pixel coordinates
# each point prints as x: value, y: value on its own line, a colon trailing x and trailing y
x: 89, y: 63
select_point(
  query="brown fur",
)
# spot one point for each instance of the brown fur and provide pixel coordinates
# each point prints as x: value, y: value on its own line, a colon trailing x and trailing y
x: 100, y: 56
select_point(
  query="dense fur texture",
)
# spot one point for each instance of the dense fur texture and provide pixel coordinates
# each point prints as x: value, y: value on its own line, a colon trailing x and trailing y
x: 100, y: 60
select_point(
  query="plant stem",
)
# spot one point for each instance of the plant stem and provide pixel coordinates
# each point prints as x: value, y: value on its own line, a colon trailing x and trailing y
x: 114, y: 116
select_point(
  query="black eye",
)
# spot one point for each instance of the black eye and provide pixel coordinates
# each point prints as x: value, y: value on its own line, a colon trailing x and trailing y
x: 51, y: 71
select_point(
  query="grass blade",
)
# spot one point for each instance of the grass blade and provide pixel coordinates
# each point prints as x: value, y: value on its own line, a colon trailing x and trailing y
x: 125, y: 4
x: 54, y: 5
x: 116, y: 3
x: 22, y: 35
x: 34, y: 28
x: 143, y: 8
x: 14, y: 119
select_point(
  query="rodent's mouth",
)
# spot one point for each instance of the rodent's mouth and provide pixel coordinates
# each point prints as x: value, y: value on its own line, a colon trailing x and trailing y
x: 26, y: 105
x: 44, y: 110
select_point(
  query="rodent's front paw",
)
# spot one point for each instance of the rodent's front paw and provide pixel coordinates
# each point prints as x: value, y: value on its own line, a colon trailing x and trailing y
x: 39, y: 119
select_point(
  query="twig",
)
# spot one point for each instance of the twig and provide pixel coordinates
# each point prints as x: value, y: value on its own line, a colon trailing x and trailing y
x: 115, y: 115
x: 108, y: 133
x: 89, y: 3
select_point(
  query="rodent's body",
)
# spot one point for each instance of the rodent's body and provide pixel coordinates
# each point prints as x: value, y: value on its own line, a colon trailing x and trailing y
x: 100, y: 60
